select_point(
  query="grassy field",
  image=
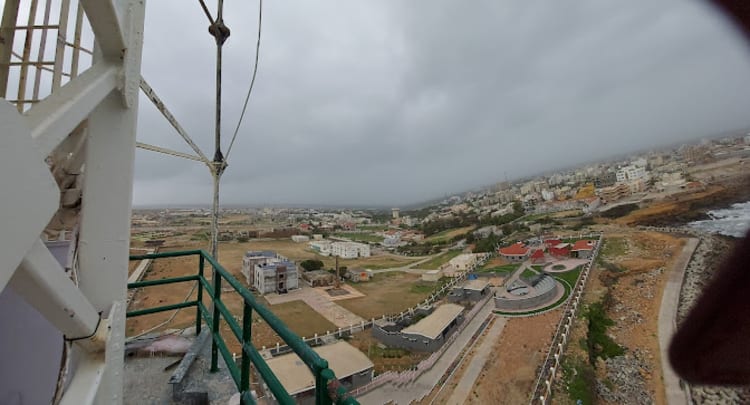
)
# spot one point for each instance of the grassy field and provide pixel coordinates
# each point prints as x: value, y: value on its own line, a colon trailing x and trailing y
x: 231, y: 254
x: 373, y: 228
x: 528, y: 273
x: 570, y: 276
x: 504, y: 269
x: 360, y: 237
x: 388, y: 293
x: 495, y: 262
x: 300, y: 317
x: 614, y: 247
x: 447, y: 235
x: 436, y: 262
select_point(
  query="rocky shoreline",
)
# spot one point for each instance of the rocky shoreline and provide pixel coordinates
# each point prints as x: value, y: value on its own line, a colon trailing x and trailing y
x: 704, y: 263
x: 733, y: 191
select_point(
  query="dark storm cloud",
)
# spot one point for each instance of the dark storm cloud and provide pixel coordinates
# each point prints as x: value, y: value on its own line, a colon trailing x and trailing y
x: 395, y: 102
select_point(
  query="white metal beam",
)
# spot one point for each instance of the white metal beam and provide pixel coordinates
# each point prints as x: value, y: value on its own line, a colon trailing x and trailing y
x: 86, y: 381
x: 166, y: 151
x: 42, y: 282
x: 106, y: 20
x: 89, y: 383
x: 52, y: 119
x: 30, y: 196
x: 104, y: 237
x: 151, y: 94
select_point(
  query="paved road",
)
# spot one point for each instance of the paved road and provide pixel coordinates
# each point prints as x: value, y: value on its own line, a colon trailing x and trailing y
x: 476, y: 363
x: 667, y: 314
x: 426, y: 382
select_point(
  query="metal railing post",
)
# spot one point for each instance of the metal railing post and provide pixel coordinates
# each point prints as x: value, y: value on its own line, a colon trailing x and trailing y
x: 327, y: 389
x: 247, y: 322
x: 201, y: 266
x: 322, y: 376
x: 215, y: 320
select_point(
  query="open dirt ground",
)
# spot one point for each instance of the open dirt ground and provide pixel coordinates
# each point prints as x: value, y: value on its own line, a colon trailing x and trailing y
x: 388, y: 293
x: 635, y: 298
x: 522, y: 347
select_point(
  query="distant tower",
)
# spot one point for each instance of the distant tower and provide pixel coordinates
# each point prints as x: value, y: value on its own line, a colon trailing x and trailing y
x: 395, y: 212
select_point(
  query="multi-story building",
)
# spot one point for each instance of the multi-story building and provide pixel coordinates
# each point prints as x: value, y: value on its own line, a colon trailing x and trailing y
x: 275, y: 277
x: 605, y: 179
x: 630, y: 173
x: 350, y: 250
x: 614, y: 193
x: 253, y: 258
x: 321, y: 246
x: 695, y: 153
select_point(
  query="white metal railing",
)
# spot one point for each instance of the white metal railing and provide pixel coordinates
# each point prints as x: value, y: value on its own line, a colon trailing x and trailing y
x: 540, y: 393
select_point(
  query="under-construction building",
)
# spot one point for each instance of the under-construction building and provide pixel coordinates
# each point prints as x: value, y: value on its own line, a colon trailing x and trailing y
x: 276, y: 277
x: 253, y: 258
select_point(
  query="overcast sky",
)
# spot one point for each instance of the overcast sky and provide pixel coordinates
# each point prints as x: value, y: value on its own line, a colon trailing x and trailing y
x: 394, y: 102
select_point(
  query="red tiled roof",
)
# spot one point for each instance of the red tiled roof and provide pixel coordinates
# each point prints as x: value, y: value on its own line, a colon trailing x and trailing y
x: 559, y: 251
x: 583, y: 245
x: 514, y: 250
x: 538, y: 254
x: 552, y: 242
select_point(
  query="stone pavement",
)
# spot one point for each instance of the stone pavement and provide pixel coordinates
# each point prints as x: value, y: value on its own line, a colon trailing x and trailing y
x: 338, y: 315
x: 476, y: 363
x: 667, y: 324
x: 426, y: 382
x: 569, y: 264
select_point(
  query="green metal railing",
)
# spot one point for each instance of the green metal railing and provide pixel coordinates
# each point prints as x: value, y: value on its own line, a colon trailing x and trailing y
x: 327, y: 389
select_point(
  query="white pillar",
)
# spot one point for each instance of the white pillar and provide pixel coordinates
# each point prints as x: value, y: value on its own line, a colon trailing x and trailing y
x: 108, y: 190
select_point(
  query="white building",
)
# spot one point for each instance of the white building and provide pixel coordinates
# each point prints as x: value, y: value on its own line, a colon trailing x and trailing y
x: 548, y: 195
x: 392, y: 240
x: 322, y: 247
x: 630, y: 173
x: 350, y: 250
x: 277, y: 276
x: 300, y: 238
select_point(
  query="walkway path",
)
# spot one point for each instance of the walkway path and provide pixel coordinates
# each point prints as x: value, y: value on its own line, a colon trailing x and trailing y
x: 338, y: 315
x: 476, y: 363
x: 667, y: 313
x: 517, y: 272
x: 426, y: 382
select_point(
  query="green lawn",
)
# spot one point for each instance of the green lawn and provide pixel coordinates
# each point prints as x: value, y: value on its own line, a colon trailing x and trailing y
x: 570, y: 276
x: 505, y: 269
x: 528, y: 273
x: 360, y: 237
x: 436, y: 262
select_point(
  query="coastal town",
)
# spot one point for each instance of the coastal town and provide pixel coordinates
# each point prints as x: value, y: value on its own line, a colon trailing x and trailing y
x: 376, y: 203
x: 409, y: 304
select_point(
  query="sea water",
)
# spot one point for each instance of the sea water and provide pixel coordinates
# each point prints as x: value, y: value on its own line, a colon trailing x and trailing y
x: 732, y: 221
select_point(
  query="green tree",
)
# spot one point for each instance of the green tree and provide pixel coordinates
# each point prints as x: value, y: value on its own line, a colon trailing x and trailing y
x: 311, y: 265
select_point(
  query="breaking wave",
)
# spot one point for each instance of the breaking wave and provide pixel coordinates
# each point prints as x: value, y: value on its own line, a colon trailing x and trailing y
x: 733, y: 221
